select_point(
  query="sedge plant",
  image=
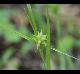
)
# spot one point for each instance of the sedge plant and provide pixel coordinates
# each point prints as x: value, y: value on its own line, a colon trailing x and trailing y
x: 39, y: 38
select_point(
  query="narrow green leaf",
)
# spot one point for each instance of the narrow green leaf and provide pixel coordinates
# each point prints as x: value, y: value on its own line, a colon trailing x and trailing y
x: 32, y: 19
x: 24, y: 36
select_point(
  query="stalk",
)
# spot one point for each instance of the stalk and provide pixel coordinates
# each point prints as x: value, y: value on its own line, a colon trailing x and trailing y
x: 48, y: 41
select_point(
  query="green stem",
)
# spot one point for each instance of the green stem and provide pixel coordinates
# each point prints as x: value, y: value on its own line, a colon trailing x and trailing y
x: 42, y: 57
x: 48, y: 41
x: 41, y: 53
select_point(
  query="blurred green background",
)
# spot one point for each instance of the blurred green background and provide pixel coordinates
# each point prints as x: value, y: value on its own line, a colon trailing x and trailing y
x: 17, y: 53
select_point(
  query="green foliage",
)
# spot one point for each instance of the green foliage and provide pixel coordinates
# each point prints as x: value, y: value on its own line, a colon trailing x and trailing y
x: 41, y: 23
x: 26, y: 46
x: 7, y: 54
x: 62, y: 44
x: 9, y: 32
x: 41, y: 36
x: 54, y: 8
x: 6, y: 57
x: 6, y: 26
x: 66, y: 43
x: 32, y: 19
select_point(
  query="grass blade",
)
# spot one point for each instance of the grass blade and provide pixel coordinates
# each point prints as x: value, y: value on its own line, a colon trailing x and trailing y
x: 31, y: 19
x: 24, y: 36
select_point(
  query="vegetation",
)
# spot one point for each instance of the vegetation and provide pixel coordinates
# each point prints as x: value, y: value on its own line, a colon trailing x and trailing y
x: 41, y: 37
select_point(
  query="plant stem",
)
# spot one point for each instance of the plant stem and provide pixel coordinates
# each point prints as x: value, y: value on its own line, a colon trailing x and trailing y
x: 48, y: 41
x: 41, y: 53
x: 42, y: 57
